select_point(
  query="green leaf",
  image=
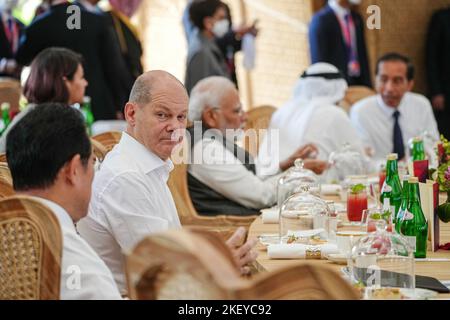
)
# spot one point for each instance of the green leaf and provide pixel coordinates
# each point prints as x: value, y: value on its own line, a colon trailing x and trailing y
x: 358, y: 188
x: 375, y: 216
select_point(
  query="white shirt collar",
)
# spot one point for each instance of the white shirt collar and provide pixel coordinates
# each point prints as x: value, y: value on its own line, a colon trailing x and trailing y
x: 63, y: 216
x: 144, y: 158
x: 389, y: 111
x: 339, y: 10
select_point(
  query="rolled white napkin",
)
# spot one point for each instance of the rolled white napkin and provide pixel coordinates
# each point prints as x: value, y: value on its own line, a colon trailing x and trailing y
x: 300, y: 251
x: 270, y: 215
x: 330, y: 189
x: 305, y: 233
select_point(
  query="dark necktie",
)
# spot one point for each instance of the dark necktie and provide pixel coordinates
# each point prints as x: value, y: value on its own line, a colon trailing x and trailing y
x: 399, y: 147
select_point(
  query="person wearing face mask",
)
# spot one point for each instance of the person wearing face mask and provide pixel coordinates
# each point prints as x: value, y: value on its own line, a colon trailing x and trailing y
x: 10, y: 33
x: 336, y: 36
x: 204, y: 56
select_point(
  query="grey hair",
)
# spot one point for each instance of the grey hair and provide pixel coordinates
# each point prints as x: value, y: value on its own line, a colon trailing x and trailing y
x: 140, y: 93
x: 208, y: 92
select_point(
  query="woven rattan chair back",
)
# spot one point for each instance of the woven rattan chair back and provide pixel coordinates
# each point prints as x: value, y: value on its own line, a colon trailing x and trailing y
x: 30, y: 250
x: 257, y: 119
x: 108, y: 139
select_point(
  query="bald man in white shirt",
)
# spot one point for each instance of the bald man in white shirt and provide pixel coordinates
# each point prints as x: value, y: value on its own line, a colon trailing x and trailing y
x: 387, y: 121
x: 130, y: 197
x: 50, y: 158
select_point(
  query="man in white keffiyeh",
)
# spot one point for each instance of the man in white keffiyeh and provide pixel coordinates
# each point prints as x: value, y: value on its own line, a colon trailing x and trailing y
x: 311, y: 116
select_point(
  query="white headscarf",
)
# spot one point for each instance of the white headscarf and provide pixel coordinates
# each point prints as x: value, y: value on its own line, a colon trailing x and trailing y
x: 320, y: 85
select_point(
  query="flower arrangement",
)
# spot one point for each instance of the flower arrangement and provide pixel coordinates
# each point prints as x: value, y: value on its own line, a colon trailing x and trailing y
x: 443, y: 178
x: 443, y: 171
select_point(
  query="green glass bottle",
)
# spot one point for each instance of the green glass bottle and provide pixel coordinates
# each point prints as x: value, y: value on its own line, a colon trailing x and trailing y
x: 5, y: 116
x: 413, y: 225
x: 418, y: 149
x: 392, y: 187
x: 87, y: 113
x: 404, y: 203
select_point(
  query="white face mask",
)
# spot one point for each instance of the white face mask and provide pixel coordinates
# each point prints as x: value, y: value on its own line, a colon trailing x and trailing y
x: 355, y: 2
x: 220, y: 28
x: 8, y: 5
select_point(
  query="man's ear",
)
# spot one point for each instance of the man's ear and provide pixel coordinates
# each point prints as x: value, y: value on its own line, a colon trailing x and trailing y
x: 130, y: 113
x: 70, y: 171
x: 209, y: 117
x: 410, y: 85
x: 208, y: 23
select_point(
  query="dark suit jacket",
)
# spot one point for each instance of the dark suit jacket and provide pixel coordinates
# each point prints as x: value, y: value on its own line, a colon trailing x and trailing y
x: 327, y: 44
x: 438, y: 53
x: 5, y: 47
x: 438, y: 65
x: 102, y: 64
x: 130, y: 47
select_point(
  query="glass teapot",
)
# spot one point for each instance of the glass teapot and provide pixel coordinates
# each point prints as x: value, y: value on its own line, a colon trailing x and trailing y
x: 345, y: 162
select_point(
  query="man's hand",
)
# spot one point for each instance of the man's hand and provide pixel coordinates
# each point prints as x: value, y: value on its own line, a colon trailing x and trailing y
x: 307, y: 151
x: 244, y: 29
x: 438, y: 102
x: 317, y: 166
x: 242, y: 253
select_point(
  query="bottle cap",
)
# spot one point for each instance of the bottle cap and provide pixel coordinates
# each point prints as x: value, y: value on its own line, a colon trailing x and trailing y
x: 417, y: 139
x: 86, y: 99
x: 413, y: 180
x: 392, y: 156
x: 5, y: 106
x: 406, y: 177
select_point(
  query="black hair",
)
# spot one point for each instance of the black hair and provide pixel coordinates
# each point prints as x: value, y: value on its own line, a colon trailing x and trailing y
x: 200, y: 9
x: 42, y: 142
x: 393, y: 56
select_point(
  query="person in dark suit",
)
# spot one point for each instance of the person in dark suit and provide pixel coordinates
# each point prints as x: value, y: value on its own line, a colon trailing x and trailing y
x: 336, y: 36
x: 126, y: 37
x: 438, y: 68
x: 10, y: 31
x: 103, y: 65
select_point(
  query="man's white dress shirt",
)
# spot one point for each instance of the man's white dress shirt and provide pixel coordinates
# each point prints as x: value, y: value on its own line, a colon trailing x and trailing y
x: 84, y: 276
x: 130, y: 200
x: 218, y: 168
x: 374, y: 121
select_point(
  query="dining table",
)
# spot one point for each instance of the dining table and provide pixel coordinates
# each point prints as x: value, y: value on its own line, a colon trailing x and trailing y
x: 436, y: 264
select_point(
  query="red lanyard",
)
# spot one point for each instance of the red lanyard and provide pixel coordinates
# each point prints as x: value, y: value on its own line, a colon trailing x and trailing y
x: 12, y: 35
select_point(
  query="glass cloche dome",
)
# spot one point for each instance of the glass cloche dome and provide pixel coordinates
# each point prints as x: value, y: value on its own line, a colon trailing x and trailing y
x: 381, y: 265
x: 297, y: 179
x: 297, y: 213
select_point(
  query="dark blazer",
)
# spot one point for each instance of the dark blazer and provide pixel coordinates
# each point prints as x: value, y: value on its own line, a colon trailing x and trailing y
x: 103, y: 65
x: 130, y: 47
x: 327, y: 44
x: 5, y: 48
x: 438, y: 64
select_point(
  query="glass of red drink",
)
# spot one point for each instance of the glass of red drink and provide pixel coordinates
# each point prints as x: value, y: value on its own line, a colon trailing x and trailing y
x: 356, y: 202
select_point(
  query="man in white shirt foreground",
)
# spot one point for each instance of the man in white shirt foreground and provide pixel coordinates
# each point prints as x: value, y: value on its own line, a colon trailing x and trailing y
x: 130, y: 198
x: 50, y: 158
x: 221, y: 175
x: 311, y: 116
x: 387, y: 121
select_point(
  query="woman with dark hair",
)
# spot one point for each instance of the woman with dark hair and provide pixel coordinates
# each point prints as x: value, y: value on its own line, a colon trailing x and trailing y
x: 204, y: 56
x: 56, y: 75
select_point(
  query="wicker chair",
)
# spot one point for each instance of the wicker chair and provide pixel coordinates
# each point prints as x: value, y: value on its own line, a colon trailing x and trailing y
x: 31, y: 249
x: 183, y: 265
x: 257, y: 119
x: 6, y: 182
x: 10, y: 91
x: 354, y: 94
x: 108, y: 139
x: 225, y: 225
